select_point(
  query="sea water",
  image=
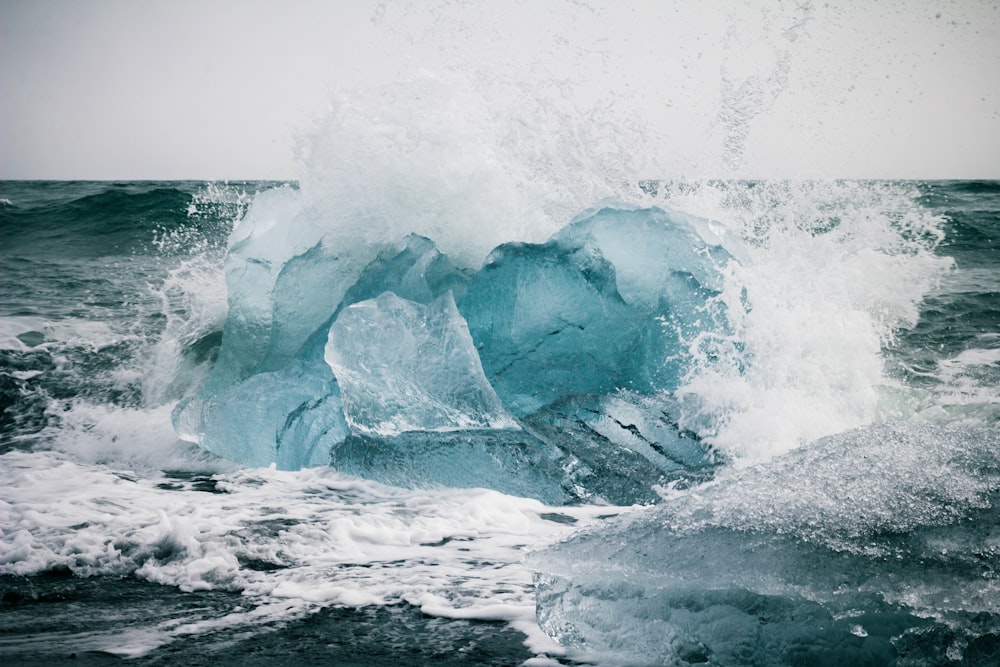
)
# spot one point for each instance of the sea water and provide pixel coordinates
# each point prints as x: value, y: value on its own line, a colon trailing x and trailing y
x: 850, y: 405
x: 480, y: 388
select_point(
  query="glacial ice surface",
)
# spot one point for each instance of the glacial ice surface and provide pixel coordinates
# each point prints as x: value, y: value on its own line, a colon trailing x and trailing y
x: 549, y: 374
x: 868, y: 547
x: 649, y: 248
x: 403, y: 366
x: 612, y: 301
x: 293, y: 415
x: 597, y: 449
x: 288, y: 417
x: 259, y: 248
x: 549, y: 322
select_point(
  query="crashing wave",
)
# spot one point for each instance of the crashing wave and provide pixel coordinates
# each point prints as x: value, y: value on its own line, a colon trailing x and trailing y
x: 327, y: 346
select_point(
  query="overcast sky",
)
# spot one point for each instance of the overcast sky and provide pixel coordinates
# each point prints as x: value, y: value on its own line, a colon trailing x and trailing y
x: 109, y: 89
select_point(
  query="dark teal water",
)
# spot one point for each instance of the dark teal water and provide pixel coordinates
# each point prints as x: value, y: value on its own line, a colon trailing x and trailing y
x: 101, y: 252
x: 98, y: 277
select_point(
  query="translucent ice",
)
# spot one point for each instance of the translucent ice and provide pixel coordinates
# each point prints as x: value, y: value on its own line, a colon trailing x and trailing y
x: 612, y: 301
x: 617, y: 448
x: 272, y: 398
x: 549, y: 322
x: 668, y: 267
x: 597, y: 449
x: 403, y: 366
x: 853, y: 550
x: 507, y: 460
x: 258, y: 249
x: 650, y: 249
x: 268, y: 419
x: 545, y: 375
x: 414, y: 269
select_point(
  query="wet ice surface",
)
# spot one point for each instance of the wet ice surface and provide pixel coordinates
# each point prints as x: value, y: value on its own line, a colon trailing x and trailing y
x: 328, y: 337
x: 877, y: 545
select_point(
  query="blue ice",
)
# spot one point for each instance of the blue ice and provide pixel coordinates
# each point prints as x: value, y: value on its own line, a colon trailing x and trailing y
x: 552, y: 374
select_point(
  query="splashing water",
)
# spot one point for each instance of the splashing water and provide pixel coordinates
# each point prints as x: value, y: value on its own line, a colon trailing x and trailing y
x: 829, y: 272
x: 824, y: 285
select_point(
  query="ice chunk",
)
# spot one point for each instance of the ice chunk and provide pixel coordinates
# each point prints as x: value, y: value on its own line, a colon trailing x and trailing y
x: 414, y: 270
x: 650, y: 248
x: 549, y: 322
x: 617, y: 448
x: 668, y: 266
x: 307, y: 291
x: 286, y: 277
x: 615, y: 300
x: 511, y: 461
x: 784, y: 562
x: 287, y: 408
x: 258, y: 249
x: 290, y: 417
x: 327, y: 340
x: 542, y: 461
x: 404, y: 366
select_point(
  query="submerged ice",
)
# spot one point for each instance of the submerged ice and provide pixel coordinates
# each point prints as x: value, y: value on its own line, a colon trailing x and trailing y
x: 361, y: 355
x: 874, y: 546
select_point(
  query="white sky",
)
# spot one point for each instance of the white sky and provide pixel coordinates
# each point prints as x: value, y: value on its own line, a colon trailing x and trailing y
x: 111, y: 89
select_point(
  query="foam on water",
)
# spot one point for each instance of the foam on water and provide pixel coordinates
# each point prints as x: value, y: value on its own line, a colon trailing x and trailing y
x: 823, y: 276
x: 30, y: 332
x: 192, y: 296
x: 291, y: 542
x: 137, y: 439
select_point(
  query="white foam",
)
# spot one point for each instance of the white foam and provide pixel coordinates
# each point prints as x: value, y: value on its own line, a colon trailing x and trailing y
x: 967, y: 360
x: 334, y: 539
x: 193, y: 301
x: 135, y: 438
x: 192, y: 296
x: 967, y: 388
x: 829, y: 272
x: 73, y: 331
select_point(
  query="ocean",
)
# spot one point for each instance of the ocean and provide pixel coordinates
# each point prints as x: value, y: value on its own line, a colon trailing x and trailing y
x: 784, y: 450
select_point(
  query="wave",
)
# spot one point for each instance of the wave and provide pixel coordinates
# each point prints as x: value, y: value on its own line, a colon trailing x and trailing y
x: 822, y: 322
x: 96, y: 218
x: 817, y: 279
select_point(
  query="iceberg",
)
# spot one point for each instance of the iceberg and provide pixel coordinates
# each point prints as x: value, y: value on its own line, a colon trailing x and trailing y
x: 595, y: 449
x: 536, y: 375
x: 414, y: 270
x: 279, y: 417
x: 612, y: 301
x: 668, y: 267
x: 617, y: 449
x: 259, y: 248
x: 421, y: 413
x: 506, y: 460
x: 856, y: 549
x: 649, y: 248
